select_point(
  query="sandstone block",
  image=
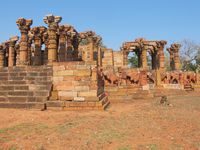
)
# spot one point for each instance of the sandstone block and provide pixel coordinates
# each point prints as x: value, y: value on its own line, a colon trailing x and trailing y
x: 67, y: 93
x: 57, y: 79
x: 83, y: 72
x: 63, y: 87
x: 81, y: 88
x: 87, y: 94
x: 79, y: 99
x: 58, y: 68
x: 64, y: 73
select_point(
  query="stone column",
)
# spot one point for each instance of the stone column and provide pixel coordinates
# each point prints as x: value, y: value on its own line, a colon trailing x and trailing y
x: 91, y: 48
x: 75, y: 44
x: 161, y: 56
x: 176, y: 57
x: 6, y: 51
x: 139, y: 56
x: 69, y: 54
x: 99, y: 57
x: 52, y: 22
x: 17, y: 54
x: 125, y: 58
x: 11, y: 53
x: 1, y: 56
x: 171, y: 57
x: 62, y: 44
x: 38, y: 33
x: 30, y: 48
x: 158, y: 78
x: 144, y: 58
x: 46, y: 43
x: 24, y: 27
x: 154, y: 60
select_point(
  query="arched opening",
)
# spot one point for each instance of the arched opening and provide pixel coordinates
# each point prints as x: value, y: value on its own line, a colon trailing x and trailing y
x: 149, y: 61
x: 133, y: 60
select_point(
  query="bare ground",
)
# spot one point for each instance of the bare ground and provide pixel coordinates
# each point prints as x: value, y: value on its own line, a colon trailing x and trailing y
x: 140, y: 125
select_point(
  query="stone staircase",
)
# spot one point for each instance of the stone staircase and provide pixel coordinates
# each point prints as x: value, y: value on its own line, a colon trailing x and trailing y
x: 25, y: 87
x: 127, y: 93
x: 188, y: 87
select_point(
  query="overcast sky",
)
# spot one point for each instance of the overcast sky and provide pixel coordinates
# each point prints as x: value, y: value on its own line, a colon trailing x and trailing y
x: 116, y: 21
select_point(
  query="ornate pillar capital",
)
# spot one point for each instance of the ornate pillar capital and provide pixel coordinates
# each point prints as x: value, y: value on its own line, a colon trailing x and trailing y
x: 52, y: 21
x: 24, y: 24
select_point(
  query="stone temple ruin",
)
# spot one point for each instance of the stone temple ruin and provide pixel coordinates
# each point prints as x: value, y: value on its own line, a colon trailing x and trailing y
x: 59, y: 67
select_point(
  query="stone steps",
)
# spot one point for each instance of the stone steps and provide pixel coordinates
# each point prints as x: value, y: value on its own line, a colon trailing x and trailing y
x: 188, y: 87
x: 127, y: 93
x: 25, y: 87
x: 30, y: 105
x: 100, y: 104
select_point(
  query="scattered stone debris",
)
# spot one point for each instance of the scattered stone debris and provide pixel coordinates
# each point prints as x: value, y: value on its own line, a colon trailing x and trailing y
x: 164, y: 101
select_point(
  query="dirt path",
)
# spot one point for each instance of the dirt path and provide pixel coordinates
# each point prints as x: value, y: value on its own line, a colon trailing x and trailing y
x: 142, y: 124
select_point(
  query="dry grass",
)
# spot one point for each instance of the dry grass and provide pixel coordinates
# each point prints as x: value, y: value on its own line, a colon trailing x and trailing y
x: 143, y: 124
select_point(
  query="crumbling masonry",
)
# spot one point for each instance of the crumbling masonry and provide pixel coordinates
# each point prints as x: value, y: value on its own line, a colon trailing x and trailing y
x: 59, y: 67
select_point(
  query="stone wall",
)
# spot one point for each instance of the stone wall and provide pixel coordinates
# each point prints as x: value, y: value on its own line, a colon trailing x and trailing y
x: 107, y: 59
x: 118, y: 58
x: 75, y: 81
x: 25, y: 87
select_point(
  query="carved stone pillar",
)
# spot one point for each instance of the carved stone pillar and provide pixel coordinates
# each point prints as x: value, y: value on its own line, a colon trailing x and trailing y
x: 158, y: 77
x: 46, y: 43
x: 75, y: 43
x: 99, y: 57
x: 171, y: 58
x: 62, y: 44
x: 52, y: 22
x: 154, y: 60
x: 30, y: 48
x: 24, y: 27
x: 11, y: 53
x: 38, y: 33
x: 69, y: 56
x: 17, y: 54
x: 161, y: 56
x: 144, y: 58
x: 125, y: 58
x: 176, y: 57
x: 1, y: 56
x: 91, y: 49
x: 6, y: 51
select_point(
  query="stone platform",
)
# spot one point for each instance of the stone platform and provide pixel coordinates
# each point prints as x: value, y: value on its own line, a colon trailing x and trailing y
x: 126, y: 93
x: 69, y: 86
x: 25, y: 87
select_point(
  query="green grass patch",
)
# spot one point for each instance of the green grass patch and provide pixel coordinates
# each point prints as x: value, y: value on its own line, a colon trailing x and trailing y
x: 126, y: 147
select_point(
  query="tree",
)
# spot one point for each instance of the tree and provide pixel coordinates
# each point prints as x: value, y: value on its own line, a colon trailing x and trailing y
x: 132, y: 60
x: 190, y: 55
